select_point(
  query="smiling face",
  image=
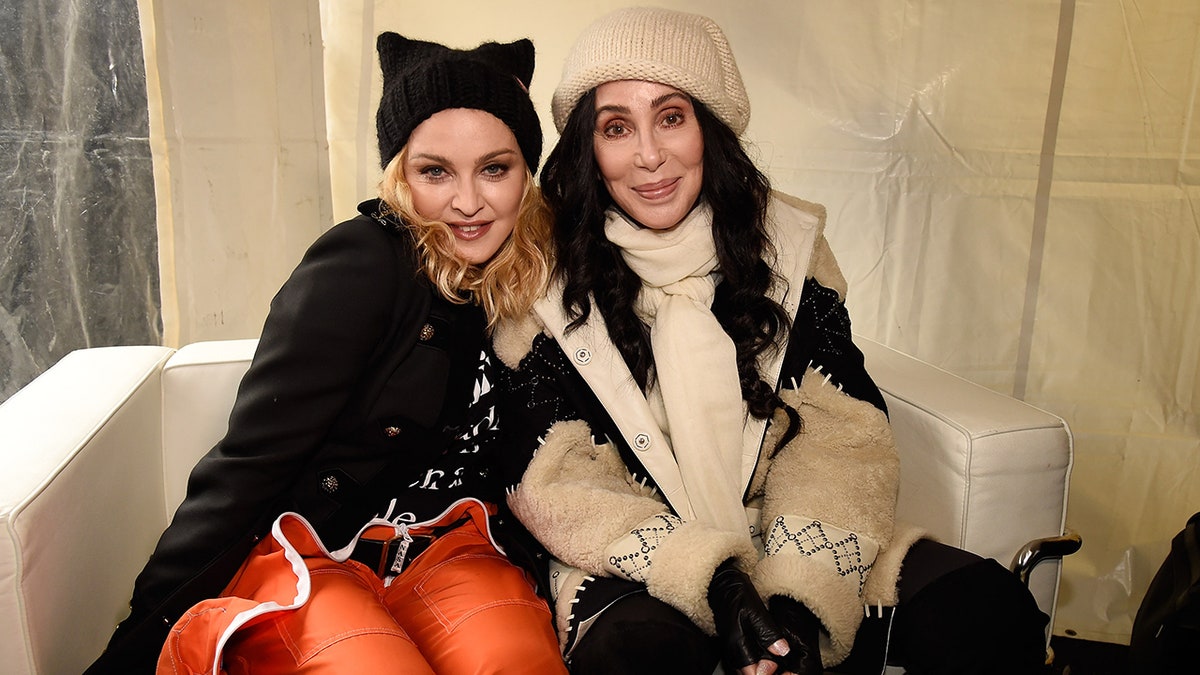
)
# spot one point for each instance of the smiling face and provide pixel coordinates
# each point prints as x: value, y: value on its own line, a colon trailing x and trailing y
x: 649, y: 149
x: 464, y: 168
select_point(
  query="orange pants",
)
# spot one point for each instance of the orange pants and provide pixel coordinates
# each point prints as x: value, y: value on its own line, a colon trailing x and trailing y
x: 295, y: 607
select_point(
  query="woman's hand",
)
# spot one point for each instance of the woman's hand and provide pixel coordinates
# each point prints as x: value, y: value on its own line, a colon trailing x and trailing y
x: 765, y: 667
x: 802, y: 630
x: 749, y: 633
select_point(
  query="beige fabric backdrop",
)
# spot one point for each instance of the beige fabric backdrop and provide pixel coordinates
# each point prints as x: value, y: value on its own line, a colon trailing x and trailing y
x: 241, y: 165
x: 1011, y: 186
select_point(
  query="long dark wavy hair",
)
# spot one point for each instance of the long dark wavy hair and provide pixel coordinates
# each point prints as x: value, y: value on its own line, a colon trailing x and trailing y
x: 592, y: 267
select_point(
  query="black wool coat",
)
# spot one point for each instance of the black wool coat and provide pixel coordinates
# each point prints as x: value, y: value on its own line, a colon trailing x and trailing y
x: 360, y: 374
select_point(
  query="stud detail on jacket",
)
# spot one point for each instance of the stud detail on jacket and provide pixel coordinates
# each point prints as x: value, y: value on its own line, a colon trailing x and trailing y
x: 329, y: 484
x: 426, y: 333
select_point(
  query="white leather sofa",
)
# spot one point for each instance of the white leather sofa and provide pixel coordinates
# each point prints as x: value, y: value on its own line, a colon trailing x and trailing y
x: 94, y: 455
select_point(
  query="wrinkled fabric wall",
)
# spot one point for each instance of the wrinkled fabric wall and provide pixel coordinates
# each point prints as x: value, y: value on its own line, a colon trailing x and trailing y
x: 1115, y: 347
x: 1010, y: 187
x: 240, y: 156
x: 79, y: 264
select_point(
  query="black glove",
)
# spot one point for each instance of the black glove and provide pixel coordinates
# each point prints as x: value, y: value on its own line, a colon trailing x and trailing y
x: 743, y: 623
x: 802, y: 630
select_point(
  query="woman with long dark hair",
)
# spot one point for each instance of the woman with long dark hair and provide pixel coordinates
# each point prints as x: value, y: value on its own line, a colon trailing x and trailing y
x: 707, y: 460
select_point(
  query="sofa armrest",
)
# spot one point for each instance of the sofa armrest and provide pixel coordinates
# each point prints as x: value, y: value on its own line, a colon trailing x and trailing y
x: 978, y: 469
x: 200, y: 383
x: 81, y: 503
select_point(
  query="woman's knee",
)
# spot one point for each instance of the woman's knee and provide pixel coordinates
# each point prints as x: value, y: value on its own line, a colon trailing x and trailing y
x: 342, y: 626
x: 502, y: 638
x: 641, y: 634
x: 522, y: 642
x: 475, y: 612
x: 977, y: 619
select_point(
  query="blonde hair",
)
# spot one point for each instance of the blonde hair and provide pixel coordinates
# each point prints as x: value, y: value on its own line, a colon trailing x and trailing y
x: 505, y: 286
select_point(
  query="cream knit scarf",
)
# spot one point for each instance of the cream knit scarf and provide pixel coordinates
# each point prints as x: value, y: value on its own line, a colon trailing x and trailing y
x: 696, y: 398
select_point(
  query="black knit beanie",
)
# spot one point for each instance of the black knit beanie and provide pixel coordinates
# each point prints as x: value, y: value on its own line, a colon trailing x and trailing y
x: 421, y: 78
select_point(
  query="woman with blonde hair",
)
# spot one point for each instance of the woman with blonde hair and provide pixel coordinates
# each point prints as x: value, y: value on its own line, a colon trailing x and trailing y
x: 346, y: 522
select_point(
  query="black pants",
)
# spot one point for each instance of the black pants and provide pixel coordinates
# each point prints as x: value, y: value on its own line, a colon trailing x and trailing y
x: 959, y: 614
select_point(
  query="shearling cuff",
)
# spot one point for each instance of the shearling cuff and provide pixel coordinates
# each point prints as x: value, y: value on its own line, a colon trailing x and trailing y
x: 684, y: 565
x: 881, y: 582
x: 834, y: 599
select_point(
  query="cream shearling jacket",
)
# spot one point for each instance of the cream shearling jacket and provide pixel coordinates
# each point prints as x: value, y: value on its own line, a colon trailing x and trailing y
x: 595, y: 479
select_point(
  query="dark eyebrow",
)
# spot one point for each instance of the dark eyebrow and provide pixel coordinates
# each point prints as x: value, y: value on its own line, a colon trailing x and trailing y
x: 496, y: 154
x: 619, y: 109
x: 667, y: 97
x: 624, y: 110
x: 428, y: 156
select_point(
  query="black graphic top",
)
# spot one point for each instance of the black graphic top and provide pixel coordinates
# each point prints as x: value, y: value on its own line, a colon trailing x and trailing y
x: 462, y: 469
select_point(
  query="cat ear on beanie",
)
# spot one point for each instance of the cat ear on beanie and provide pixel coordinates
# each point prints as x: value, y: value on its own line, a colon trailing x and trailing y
x: 423, y: 78
x: 397, y: 51
x: 515, y: 58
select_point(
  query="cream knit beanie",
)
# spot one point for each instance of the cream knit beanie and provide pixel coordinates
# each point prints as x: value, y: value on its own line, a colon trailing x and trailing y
x: 686, y: 51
